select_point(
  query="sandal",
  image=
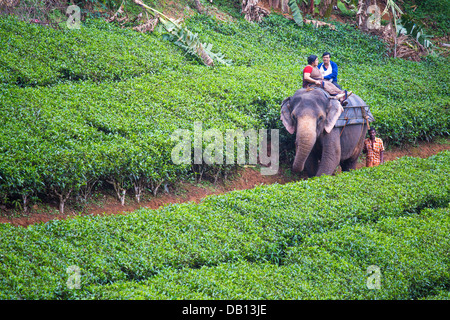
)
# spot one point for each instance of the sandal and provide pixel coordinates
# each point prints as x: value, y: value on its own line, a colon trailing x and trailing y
x: 345, y: 96
x: 348, y: 94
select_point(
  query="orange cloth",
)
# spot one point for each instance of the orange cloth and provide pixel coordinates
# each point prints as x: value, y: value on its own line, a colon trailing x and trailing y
x: 373, y: 151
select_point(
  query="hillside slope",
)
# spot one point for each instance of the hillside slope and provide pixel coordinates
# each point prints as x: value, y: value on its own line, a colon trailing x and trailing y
x: 99, y: 104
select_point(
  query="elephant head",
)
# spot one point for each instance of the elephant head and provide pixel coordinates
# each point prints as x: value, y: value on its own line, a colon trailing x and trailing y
x: 308, y: 114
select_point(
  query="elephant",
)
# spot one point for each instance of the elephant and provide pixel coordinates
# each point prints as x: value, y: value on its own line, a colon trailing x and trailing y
x: 320, y: 146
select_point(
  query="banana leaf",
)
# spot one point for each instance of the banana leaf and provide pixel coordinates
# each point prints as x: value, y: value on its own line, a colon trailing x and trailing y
x: 296, y: 13
x: 186, y: 39
x: 412, y: 29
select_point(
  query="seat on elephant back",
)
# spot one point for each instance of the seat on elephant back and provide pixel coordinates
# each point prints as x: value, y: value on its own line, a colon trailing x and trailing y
x: 355, y: 112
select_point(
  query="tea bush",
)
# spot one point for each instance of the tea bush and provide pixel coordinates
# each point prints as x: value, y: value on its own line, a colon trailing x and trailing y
x: 35, y: 55
x: 338, y: 222
x: 112, y: 129
x: 100, y: 103
x: 433, y: 13
x: 411, y: 252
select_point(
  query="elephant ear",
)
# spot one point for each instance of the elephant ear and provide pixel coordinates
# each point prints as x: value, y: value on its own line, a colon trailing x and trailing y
x: 334, y: 111
x: 286, y: 117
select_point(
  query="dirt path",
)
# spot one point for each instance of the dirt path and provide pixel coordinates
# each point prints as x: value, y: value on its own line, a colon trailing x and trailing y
x: 105, y: 204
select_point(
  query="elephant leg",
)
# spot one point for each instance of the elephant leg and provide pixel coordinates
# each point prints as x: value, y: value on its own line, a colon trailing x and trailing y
x: 349, y: 164
x: 311, y: 165
x: 331, y: 153
x: 352, y: 141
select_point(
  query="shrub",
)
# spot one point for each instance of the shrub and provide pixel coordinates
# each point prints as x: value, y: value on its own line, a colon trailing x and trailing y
x: 115, y: 103
x: 265, y: 226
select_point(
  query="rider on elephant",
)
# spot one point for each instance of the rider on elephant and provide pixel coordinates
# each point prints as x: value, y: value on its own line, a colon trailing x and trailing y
x: 313, y: 77
x: 329, y: 69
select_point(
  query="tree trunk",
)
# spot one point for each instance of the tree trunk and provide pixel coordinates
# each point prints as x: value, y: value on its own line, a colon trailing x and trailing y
x: 328, y: 8
x: 120, y: 191
x: 361, y: 15
x: 25, y: 202
x: 252, y: 12
x: 285, y: 6
x: 139, y: 188
x: 198, y: 6
x: 155, y: 186
x: 276, y: 4
x: 61, y: 207
x: 62, y: 199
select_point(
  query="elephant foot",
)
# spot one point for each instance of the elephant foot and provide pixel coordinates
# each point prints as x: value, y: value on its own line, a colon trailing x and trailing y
x: 348, y: 165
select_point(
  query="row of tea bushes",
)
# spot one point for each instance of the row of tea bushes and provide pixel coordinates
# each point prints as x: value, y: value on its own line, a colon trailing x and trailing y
x: 62, y: 139
x: 409, y: 100
x: 35, y: 55
x: 409, y: 256
x: 72, y: 135
x: 266, y: 226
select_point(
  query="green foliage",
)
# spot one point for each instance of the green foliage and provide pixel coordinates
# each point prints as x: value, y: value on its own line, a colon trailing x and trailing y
x: 191, y: 43
x: 263, y: 243
x: 33, y: 55
x: 411, y: 252
x: 100, y: 104
x: 296, y: 12
x: 410, y: 28
x: 432, y: 13
x: 347, y: 12
x: 112, y: 97
x: 187, y: 40
x: 230, y: 7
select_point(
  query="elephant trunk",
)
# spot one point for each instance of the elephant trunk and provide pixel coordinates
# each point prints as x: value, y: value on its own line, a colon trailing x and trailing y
x: 304, y: 142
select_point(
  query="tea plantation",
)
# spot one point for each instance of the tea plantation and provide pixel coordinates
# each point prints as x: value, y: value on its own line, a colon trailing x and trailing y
x: 99, y: 104
x: 313, y: 239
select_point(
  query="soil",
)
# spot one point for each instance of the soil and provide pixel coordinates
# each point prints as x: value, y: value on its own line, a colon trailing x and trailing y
x: 248, y: 177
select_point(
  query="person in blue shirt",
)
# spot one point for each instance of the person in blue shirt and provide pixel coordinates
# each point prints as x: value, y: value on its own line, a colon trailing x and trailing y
x: 329, y: 69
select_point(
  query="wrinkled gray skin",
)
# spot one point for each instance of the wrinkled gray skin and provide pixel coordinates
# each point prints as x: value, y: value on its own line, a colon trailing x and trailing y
x: 318, y: 152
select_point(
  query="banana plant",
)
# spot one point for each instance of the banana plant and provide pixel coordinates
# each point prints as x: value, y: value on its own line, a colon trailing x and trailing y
x: 409, y: 28
x: 296, y: 13
x: 342, y: 5
x: 191, y: 43
x: 185, y: 38
x: 395, y: 9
